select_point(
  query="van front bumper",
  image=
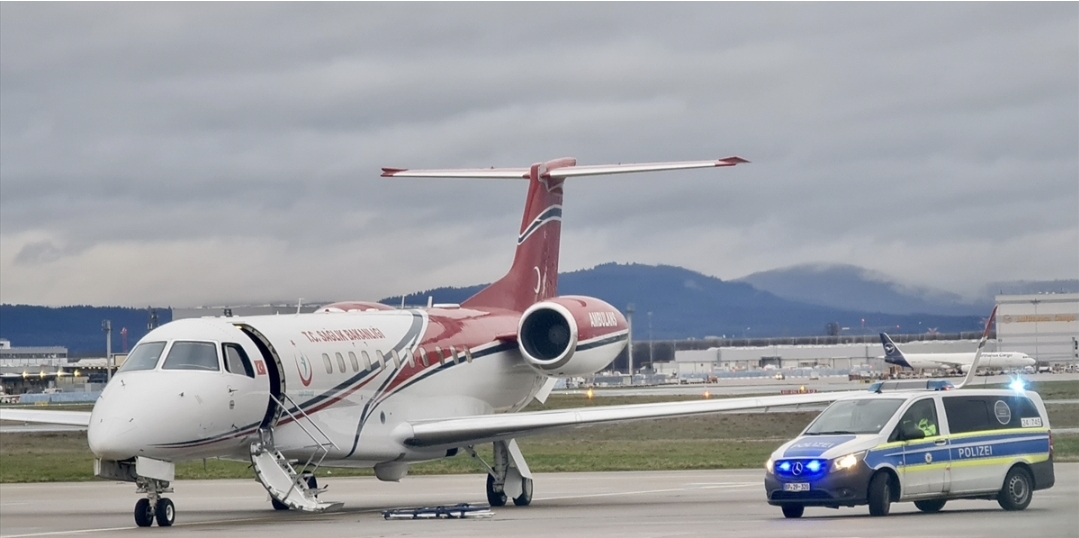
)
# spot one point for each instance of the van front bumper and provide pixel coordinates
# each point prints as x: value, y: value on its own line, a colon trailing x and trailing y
x: 835, y: 488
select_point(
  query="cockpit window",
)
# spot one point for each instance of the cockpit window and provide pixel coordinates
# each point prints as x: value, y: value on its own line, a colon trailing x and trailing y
x: 236, y: 360
x: 192, y: 356
x: 143, y: 357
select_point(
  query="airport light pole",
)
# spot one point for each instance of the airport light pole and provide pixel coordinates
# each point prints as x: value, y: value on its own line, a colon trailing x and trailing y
x: 1036, y: 338
x: 107, y: 327
x: 629, y: 328
x: 650, y: 359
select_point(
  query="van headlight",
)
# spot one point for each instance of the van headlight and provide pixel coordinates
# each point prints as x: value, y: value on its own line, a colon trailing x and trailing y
x: 848, y: 461
x: 770, y: 466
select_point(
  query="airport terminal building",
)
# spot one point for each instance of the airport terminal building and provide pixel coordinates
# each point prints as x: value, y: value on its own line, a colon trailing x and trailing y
x: 1044, y: 326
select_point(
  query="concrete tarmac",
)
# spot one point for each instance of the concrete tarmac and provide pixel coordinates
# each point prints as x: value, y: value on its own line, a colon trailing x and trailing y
x: 593, y: 505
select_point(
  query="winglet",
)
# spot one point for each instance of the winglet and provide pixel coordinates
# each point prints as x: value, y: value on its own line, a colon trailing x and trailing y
x: 978, y: 354
x: 389, y: 172
x: 731, y: 161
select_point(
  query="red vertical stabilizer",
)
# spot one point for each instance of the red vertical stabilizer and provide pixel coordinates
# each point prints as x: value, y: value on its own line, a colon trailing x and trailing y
x: 533, y: 276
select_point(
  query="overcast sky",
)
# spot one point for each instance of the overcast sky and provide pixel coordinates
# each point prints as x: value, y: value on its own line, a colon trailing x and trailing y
x: 197, y: 154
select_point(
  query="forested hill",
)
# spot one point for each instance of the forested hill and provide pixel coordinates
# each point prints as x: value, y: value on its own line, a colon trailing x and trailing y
x: 76, y: 327
x: 687, y: 304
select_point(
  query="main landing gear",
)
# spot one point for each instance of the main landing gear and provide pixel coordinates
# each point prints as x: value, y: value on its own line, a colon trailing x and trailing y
x: 154, y: 506
x: 509, y: 478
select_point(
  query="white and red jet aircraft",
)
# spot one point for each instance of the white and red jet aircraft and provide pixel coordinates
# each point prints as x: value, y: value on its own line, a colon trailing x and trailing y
x: 361, y: 384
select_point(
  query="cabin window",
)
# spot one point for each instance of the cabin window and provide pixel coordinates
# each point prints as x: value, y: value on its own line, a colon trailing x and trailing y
x: 468, y: 356
x: 354, y: 361
x: 192, y: 356
x: 236, y: 360
x: 380, y: 359
x: 326, y: 361
x: 423, y: 357
x: 396, y: 359
x: 340, y: 362
x: 453, y: 354
x: 408, y: 357
x: 441, y: 356
x: 143, y: 357
x: 366, y: 360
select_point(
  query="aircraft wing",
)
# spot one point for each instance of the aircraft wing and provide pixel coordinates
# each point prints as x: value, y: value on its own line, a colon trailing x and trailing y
x: 70, y: 418
x: 486, y: 428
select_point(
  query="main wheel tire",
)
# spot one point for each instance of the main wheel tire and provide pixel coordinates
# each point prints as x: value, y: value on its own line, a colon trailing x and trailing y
x: 793, y: 511
x: 931, y: 506
x: 880, y: 494
x: 1017, y: 491
x: 278, y: 505
x: 144, y: 513
x: 525, y: 498
x: 494, y: 498
x: 165, y: 512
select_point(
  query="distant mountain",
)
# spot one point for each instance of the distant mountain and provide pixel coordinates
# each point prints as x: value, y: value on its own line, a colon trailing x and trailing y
x: 685, y: 304
x: 855, y: 288
x: 78, y: 328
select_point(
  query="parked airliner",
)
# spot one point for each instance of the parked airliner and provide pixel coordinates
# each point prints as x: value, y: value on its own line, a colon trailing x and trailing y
x: 361, y: 384
x: 959, y: 361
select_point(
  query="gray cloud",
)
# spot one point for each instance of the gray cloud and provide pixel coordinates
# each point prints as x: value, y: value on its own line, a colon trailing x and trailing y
x: 206, y: 153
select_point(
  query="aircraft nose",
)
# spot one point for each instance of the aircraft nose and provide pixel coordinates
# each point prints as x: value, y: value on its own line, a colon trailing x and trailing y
x: 110, y: 437
x: 1029, y: 361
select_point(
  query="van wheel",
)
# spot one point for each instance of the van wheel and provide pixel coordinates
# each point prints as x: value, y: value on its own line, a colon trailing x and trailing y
x: 880, y: 494
x: 932, y: 506
x: 1017, y: 490
x: 793, y: 510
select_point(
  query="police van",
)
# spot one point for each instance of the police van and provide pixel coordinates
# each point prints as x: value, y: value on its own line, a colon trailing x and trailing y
x: 927, y: 446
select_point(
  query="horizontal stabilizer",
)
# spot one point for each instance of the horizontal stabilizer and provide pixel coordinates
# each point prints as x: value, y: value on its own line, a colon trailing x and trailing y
x: 561, y: 172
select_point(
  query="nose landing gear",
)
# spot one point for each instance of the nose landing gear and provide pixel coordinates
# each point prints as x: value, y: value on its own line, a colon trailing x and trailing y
x: 154, y: 506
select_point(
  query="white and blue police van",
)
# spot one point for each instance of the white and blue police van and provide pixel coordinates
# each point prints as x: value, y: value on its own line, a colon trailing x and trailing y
x: 926, y: 446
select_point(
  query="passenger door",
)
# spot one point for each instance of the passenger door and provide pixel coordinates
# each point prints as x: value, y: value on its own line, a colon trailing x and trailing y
x: 925, y: 460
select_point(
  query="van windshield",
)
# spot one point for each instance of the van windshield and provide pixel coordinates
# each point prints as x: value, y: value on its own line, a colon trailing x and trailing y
x: 855, y: 416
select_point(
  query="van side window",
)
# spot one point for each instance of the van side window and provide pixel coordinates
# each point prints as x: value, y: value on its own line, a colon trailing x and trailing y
x: 355, y: 363
x: 340, y: 362
x: 922, y: 415
x: 974, y: 413
x: 326, y: 361
x: 236, y: 360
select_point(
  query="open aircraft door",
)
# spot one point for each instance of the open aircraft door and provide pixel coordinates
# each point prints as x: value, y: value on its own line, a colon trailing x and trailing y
x: 269, y: 364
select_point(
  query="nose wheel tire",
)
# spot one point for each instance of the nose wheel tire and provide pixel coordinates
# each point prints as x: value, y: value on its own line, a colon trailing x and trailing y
x: 165, y: 512
x: 793, y: 511
x: 144, y: 513
x: 930, y: 507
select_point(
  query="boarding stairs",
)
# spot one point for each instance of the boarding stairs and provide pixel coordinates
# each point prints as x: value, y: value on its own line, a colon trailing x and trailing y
x: 289, y: 486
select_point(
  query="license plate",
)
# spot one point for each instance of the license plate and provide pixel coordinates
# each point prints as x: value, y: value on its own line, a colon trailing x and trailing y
x: 796, y: 486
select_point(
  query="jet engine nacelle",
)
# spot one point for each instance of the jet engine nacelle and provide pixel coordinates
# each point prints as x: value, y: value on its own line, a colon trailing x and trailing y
x: 571, y: 335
